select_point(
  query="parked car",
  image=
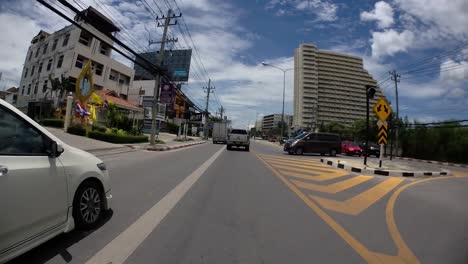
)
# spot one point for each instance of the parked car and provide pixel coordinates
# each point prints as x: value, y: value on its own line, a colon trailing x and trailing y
x: 238, y: 138
x: 46, y: 186
x: 323, y: 143
x: 351, y: 148
x: 374, y: 149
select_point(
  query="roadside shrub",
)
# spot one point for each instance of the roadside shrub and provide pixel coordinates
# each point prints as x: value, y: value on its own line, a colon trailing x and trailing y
x: 183, y: 140
x: 52, y: 122
x: 77, y: 130
x: 99, y: 128
x: 116, y: 138
x: 172, y: 128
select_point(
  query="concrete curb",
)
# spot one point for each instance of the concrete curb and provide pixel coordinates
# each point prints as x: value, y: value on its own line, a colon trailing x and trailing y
x: 393, y: 173
x: 174, y: 147
x: 433, y: 162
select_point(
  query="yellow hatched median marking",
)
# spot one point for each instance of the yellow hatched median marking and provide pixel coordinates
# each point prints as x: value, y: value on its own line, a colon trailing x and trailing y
x: 360, y: 202
x: 405, y: 256
x: 319, y: 175
x: 303, y: 166
x: 335, y: 187
x: 292, y: 161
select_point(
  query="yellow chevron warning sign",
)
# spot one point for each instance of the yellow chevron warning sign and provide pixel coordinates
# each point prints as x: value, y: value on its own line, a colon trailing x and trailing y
x: 382, y: 132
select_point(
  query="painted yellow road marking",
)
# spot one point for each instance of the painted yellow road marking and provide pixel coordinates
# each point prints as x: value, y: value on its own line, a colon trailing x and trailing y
x: 362, y: 201
x: 300, y: 161
x: 335, y: 187
x: 301, y: 165
x: 365, y: 253
x: 306, y: 169
x: 319, y: 175
x: 295, y: 163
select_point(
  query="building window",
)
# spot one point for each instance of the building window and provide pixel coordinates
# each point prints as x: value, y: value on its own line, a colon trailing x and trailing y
x: 29, y: 89
x: 45, y: 48
x: 40, y: 68
x: 33, y: 69
x: 37, y: 53
x: 30, y: 55
x: 25, y: 72
x: 59, y: 62
x: 98, y: 68
x: 85, y: 39
x: 44, y: 86
x: 124, y: 79
x: 65, y: 40
x: 49, y: 65
x: 80, y: 60
x: 22, y: 90
x: 104, y: 49
x: 54, y: 46
x: 113, y: 75
x: 35, y: 87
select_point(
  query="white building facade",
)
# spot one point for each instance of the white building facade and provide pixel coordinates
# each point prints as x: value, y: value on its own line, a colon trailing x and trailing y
x: 329, y: 87
x: 65, y: 53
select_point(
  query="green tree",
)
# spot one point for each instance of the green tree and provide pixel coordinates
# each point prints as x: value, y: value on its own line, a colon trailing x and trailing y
x: 114, y: 116
x: 59, y: 86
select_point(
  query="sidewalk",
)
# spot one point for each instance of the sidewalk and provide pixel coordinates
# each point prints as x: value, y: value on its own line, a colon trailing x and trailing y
x: 389, y: 167
x: 84, y: 143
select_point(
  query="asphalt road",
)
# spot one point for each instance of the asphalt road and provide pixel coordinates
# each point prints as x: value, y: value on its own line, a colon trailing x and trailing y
x: 205, y: 204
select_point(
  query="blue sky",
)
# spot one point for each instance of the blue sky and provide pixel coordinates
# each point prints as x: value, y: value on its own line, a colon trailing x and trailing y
x: 233, y: 37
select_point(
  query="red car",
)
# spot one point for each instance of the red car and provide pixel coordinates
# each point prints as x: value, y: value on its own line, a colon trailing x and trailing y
x: 351, y: 148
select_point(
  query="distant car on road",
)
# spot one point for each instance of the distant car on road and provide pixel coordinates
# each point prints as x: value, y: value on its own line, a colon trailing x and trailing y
x: 323, y: 143
x: 46, y: 186
x: 238, y: 138
x: 351, y: 148
x: 374, y: 149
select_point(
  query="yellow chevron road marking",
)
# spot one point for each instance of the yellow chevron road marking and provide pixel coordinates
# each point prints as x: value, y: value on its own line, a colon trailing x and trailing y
x: 335, y: 187
x: 319, y: 176
x: 362, y: 201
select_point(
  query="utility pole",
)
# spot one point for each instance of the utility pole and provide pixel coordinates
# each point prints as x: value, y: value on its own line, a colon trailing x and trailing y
x: 159, y: 60
x: 221, y: 112
x: 208, y: 90
x: 396, y: 78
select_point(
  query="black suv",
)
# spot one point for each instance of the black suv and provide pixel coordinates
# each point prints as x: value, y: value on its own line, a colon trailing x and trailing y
x: 323, y: 143
x: 374, y: 149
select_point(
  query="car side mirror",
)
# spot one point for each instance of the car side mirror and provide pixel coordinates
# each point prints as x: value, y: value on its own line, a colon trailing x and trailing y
x: 55, y: 149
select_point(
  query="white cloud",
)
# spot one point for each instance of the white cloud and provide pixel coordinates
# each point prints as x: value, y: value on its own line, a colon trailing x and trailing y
x: 382, y: 13
x: 448, y: 17
x: 389, y: 42
x: 454, y: 71
x: 18, y: 28
x: 323, y: 10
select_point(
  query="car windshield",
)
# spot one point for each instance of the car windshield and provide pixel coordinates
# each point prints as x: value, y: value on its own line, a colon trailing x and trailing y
x: 233, y: 131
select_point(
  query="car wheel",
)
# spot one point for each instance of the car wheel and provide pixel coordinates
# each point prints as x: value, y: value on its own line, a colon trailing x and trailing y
x: 290, y: 153
x: 333, y: 152
x: 247, y: 148
x: 88, y: 205
x: 299, y: 151
x: 229, y: 147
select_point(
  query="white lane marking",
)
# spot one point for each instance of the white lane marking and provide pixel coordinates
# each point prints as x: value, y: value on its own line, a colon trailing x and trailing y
x: 119, y: 249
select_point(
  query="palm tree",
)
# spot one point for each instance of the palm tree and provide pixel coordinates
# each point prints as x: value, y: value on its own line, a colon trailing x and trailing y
x: 59, y: 86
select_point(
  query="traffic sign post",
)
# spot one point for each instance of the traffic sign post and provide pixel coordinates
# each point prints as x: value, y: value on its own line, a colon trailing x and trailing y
x: 383, y: 111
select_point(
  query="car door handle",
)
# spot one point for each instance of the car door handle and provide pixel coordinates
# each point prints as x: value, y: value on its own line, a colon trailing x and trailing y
x: 3, y: 170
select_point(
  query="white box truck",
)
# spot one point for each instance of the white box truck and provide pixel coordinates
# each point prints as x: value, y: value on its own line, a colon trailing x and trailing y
x: 220, y: 132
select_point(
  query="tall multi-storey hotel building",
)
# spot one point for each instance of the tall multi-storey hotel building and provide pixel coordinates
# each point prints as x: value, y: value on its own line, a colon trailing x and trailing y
x: 329, y: 87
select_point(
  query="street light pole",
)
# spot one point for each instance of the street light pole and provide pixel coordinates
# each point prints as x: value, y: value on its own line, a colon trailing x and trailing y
x: 284, y: 92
